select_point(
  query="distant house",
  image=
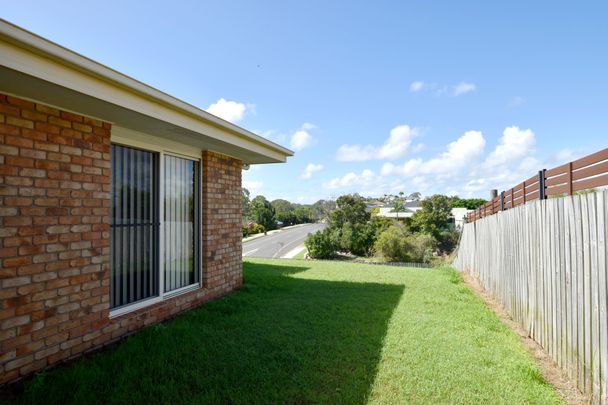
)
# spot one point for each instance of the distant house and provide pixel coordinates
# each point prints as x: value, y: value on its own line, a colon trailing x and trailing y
x: 409, y: 208
x: 120, y: 205
x: 374, y: 204
x: 459, y: 215
x: 389, y: 212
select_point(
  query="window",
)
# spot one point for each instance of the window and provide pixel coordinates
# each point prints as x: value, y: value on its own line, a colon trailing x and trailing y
x: 180, y: 213
x: 154, y: 226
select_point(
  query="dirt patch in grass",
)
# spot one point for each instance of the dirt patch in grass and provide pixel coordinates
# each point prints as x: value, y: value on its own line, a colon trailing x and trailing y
x: 549, y: 369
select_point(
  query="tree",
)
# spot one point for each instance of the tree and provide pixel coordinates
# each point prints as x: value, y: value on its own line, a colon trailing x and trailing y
x: 245, y: 204
x: 433, y: 217
x: 398, y: 203
x: 284, y: 211
x: 350, y: 208
x: 263, y: 212
x: 320, y: 244
x: 322, y: 209
x: 415, y: 196
x: 302, y: 214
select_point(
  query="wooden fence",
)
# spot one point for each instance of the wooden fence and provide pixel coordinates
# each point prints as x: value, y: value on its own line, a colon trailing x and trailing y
x: 545, y: 262
x: 582, y: 174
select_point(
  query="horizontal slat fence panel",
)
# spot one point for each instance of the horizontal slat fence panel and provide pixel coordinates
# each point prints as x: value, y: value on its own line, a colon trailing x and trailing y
x: 546, y: 263
x: 585, y: 173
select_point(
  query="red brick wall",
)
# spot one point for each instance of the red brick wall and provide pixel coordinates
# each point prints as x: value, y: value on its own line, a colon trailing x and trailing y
x: 54, y: 238
x: 222, y: 219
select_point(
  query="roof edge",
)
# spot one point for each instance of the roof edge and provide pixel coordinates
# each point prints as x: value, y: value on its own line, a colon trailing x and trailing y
x: 25, y: 39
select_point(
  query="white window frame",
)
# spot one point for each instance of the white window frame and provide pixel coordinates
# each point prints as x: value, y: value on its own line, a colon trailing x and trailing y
x: 130, y: 138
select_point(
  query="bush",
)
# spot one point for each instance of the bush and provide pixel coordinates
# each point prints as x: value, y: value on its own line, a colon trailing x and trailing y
x: 320, y: 245
x: 252, y: 229
x: 359, y: 238
x: 258, y: 228
x: 394, y: 244
x: 363, y: 238
x: 391, y: 244
x: 420, y: 247
x: 447, y: 241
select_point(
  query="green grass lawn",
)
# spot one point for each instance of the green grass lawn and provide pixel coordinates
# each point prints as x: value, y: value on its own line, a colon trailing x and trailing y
x: 315, y: 332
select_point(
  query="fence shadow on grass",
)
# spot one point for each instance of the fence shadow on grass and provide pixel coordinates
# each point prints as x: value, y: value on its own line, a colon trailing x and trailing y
x: 279, y: 339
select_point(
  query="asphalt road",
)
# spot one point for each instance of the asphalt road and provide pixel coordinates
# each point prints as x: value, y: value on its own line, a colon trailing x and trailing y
x: 280, y: 243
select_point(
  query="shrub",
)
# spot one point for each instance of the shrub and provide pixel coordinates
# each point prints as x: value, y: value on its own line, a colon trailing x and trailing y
x: 346, y: 236
x: 395, y: 244
x: 252, y: 229
x: 258, y: 228
x: 363, y: 238
x: 359, y: 238
x: 447, y: 241
x: 320, y: 245
x: 420, y: 247
x: 391, y: 244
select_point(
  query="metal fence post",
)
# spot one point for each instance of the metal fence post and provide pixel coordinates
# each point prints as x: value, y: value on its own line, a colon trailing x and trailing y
x: 541, y: 184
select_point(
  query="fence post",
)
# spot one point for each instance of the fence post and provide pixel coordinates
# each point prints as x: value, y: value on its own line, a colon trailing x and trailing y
x: 569, y: 178
x: 541, y: 184
x: 502, y: 200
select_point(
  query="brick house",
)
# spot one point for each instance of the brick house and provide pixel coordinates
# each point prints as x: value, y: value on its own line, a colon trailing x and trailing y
x: 120, y: 206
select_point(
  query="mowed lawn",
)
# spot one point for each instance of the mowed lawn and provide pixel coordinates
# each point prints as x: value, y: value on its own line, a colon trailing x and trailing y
x: 314, y: 332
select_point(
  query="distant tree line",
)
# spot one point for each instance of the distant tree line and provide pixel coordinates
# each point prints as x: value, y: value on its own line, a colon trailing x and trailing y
x: 261, y: 215
x: 354, y: 230
x: 468, y: 203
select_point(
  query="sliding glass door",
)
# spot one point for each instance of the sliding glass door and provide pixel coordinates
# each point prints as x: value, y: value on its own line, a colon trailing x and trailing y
x: 133, y: 226
x: 181, y: 233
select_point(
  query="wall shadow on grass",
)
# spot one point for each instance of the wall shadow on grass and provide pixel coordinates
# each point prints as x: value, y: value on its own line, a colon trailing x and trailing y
x: 277, y: 340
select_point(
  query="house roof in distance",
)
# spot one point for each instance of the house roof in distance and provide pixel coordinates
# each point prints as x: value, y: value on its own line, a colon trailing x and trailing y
x: 35, y: 68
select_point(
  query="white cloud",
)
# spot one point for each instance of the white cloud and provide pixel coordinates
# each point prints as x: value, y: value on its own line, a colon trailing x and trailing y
x: 397, y: 145
x: 439, y: 89
x: 253, y: 185
x: 298, y: 140
x: 457, y: 155
x: 514, y: 144
x: 517, y: 102
x: 232, y: 111
x: 565, y: 155
x: 468, y: 166
x: 416, y: 86
x: 310, y: 169
x: 351, y: 179
x: 463, y: 88
x: 302, y: 138
x: 464, y: 168
x: 366, y: 183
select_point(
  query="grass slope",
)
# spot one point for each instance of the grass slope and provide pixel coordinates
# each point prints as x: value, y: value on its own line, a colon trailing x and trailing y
x: 314, y: 332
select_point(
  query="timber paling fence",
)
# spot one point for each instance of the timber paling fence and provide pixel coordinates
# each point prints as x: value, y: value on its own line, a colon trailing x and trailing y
x: 545, y: 262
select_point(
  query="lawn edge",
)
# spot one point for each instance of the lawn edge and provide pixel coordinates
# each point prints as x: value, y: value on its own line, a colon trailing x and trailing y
x: 550, y: 370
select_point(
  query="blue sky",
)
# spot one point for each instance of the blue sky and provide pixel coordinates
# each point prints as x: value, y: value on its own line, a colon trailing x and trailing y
x: 375, y: 97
